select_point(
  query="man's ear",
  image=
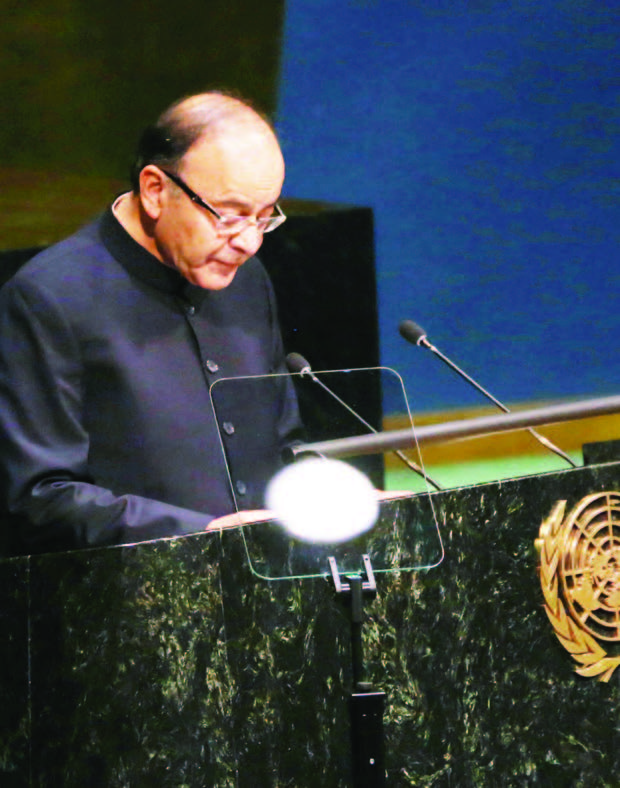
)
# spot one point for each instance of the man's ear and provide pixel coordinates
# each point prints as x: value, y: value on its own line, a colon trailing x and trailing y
x: 152, y: 185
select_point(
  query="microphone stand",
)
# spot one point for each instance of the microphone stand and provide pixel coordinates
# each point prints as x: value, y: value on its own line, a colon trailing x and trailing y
x: 415, y: 334
x: 298, y: 363
x: 540, y: 438
x: 366, y: 704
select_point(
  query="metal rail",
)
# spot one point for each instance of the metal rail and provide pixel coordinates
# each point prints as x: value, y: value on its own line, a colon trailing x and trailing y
x: 460, y: 430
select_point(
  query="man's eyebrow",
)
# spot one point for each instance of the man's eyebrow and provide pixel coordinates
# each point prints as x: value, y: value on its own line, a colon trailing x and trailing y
x: 243, y: 205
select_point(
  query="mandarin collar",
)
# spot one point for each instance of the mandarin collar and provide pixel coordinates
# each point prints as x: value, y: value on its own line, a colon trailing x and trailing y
x: 137, y: 260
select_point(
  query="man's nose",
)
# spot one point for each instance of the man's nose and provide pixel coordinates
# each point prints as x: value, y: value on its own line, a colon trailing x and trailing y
x: 249, y: 239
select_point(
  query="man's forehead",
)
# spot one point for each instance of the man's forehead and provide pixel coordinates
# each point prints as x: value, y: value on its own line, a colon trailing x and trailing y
x: 236, y: 154
x: 245, y: 133
x: 238, y: 172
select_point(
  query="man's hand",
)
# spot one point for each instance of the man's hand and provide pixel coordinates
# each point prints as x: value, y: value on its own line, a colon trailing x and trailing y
x: 236, y: 519
x: 391, y: 495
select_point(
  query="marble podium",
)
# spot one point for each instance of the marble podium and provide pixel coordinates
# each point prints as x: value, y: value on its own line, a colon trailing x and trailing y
x: 172, y: 664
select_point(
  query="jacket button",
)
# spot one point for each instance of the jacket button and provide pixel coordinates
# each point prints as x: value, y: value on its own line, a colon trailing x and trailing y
x: 241, y: 487
x: 211, y: 365
x: 228, y: 427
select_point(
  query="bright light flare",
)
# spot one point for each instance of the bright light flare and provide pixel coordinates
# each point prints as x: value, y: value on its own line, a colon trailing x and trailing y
x: 323, y: 500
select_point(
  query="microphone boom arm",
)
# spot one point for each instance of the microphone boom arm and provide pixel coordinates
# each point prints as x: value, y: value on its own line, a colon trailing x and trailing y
x: 416, y: 335
x: 541, y: 438
x: 297, y: 363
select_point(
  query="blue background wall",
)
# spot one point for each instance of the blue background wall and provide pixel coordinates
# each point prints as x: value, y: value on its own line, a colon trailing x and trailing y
x: 485, y: 137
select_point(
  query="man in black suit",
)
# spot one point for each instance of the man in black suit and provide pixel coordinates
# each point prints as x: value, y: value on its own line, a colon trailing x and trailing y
x: 112, y: 341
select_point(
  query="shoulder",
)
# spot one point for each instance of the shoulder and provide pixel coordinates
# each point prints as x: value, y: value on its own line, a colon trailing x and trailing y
x: 49, y: 265
x: 72, y: 266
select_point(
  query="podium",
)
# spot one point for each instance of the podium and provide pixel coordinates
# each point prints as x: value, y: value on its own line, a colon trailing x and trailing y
x: 170, y: 663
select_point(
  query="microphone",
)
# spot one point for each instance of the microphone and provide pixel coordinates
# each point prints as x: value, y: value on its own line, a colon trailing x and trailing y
x: 416, y: 335
x: 297, y: 363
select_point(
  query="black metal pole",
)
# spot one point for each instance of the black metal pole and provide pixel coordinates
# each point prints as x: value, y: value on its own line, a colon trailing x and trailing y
x: 365, y: 703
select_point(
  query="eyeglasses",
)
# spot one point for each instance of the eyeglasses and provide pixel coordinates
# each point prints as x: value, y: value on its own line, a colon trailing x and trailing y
x: 230, y: 225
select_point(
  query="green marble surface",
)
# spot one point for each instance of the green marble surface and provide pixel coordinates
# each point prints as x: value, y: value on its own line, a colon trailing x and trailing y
x: 171, y: 664
x: 14, y: 690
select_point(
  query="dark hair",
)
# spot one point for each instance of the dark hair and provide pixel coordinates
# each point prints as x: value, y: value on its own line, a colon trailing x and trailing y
x: 166, y: 141
x: 157, y: 146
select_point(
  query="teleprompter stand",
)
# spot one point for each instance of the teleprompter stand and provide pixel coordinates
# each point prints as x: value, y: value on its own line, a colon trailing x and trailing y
x: 365, y: 703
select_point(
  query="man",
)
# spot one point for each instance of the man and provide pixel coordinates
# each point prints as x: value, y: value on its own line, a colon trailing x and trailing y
x: 111, y: 341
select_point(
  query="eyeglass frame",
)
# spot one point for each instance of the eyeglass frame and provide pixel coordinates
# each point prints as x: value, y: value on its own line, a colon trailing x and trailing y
x: 269, y: 224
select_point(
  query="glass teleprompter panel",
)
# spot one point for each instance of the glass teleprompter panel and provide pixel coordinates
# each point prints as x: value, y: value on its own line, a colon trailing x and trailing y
x: 333, y: 404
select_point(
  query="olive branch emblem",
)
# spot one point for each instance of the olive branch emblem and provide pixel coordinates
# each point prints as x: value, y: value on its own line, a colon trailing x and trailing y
x: 579, y: 574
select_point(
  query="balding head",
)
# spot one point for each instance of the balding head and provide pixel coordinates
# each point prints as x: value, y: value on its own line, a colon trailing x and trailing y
x: 208, y: 157
x: 205, y: 116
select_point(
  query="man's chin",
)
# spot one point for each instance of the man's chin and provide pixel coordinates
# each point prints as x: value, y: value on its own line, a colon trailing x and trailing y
x: 213, y: 277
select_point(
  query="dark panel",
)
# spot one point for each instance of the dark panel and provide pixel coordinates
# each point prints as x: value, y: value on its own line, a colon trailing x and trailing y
x: 603, y: 451
x: 12, y: 260
x: 322, y: 265
x: 322, y: 262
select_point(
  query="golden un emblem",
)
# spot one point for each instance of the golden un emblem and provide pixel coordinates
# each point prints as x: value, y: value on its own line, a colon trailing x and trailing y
x: 580, y: 579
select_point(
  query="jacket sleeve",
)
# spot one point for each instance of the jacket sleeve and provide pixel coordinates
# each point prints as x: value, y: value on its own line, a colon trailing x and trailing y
x: 49, y: 502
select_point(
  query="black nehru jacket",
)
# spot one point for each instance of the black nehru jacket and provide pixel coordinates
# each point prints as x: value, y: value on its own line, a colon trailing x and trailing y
x: 108, y: 433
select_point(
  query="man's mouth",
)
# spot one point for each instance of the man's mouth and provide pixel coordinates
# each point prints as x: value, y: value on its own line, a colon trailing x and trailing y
x: 225, y: 263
